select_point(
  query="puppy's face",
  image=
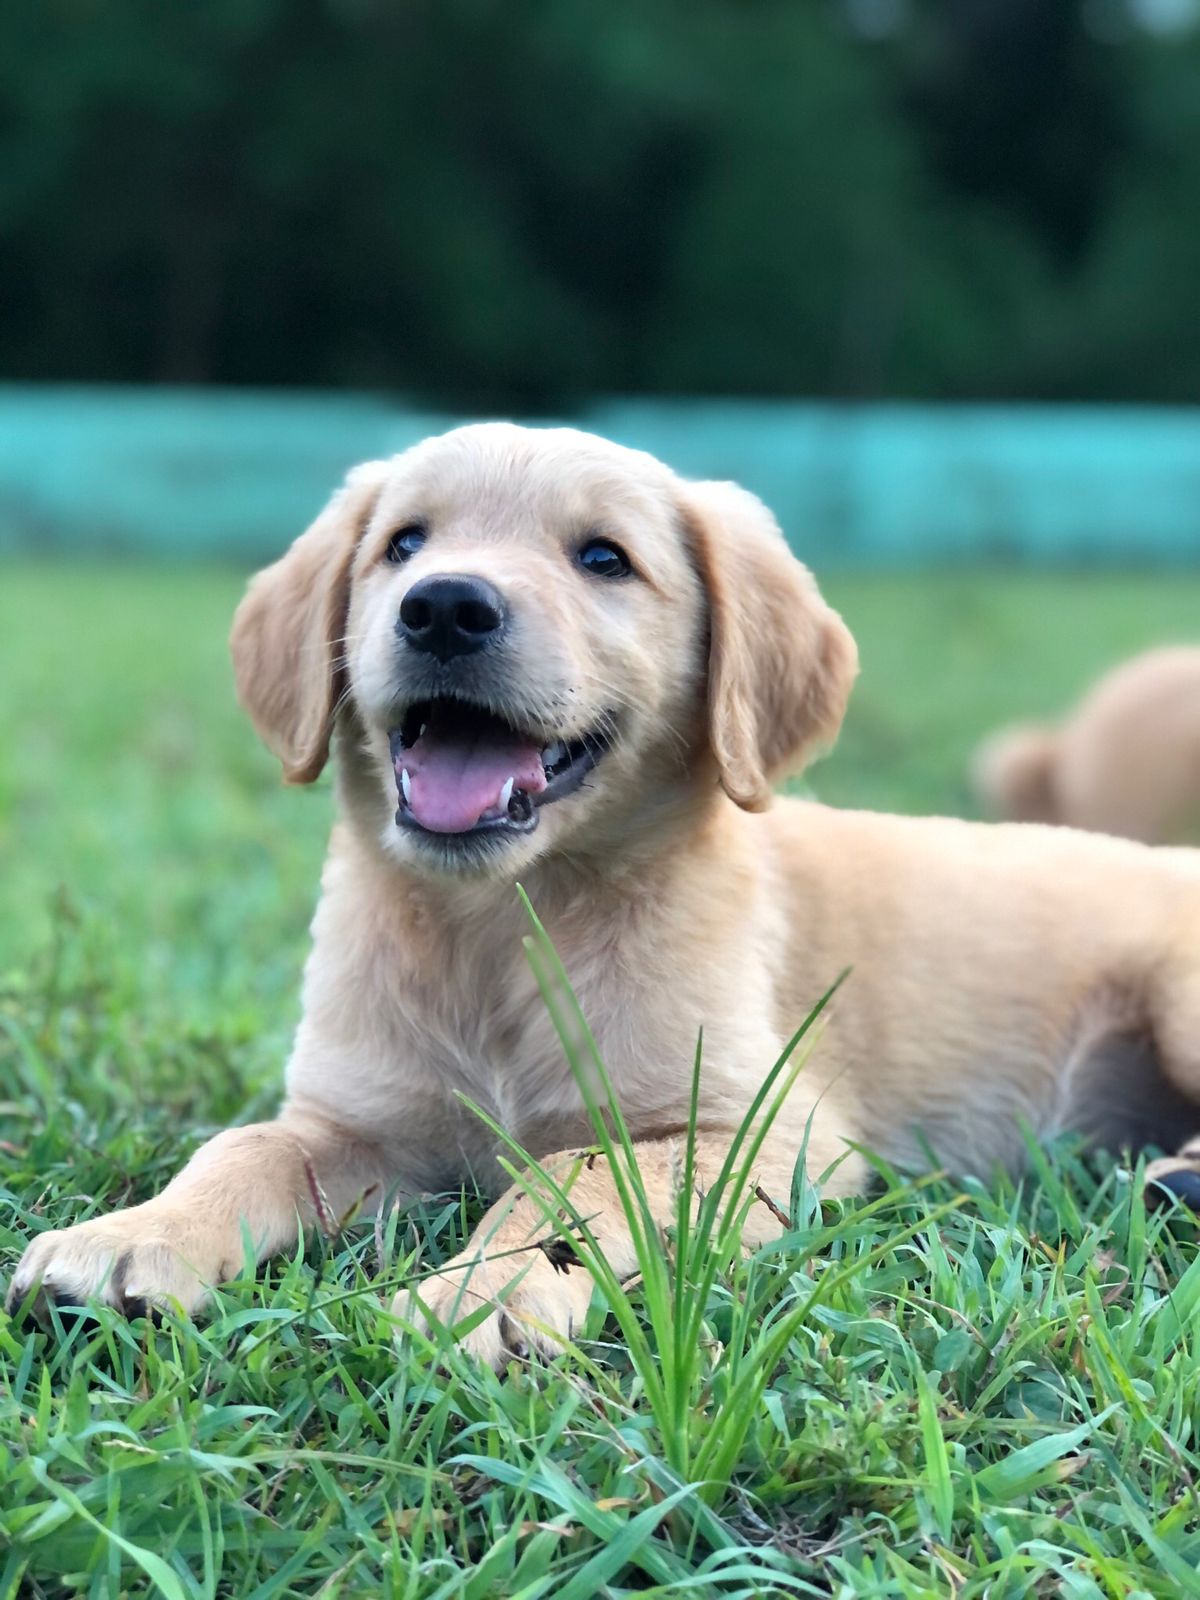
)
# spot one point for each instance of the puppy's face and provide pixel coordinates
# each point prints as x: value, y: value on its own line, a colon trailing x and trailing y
x: 524, y: 626
x: 533, y: 640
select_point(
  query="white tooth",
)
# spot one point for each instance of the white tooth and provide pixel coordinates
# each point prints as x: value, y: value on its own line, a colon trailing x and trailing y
x: 421, y: 735
x: 505, y: 795
x: 406, y: 786
x: 553, y: 753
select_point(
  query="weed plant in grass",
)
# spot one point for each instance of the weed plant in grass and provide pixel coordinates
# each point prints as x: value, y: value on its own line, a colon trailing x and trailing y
x: 941, y: 1389
x: 934, y: 1390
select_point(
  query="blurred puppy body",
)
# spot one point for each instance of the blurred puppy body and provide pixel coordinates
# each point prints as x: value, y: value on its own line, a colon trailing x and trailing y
x: 541, y: 657
x: 1125, y: 761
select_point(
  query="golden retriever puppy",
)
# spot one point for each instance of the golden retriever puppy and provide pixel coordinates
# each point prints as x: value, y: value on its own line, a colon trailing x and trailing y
x: 541, y: 657
x: 1125, y: 761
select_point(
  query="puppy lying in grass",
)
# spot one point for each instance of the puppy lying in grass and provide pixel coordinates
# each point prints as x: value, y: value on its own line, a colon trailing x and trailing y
x: 1125, y: 761
x: 543, y: 658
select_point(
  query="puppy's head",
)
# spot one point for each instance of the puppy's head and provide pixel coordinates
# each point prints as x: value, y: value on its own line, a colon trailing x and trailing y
x: 534, y: 640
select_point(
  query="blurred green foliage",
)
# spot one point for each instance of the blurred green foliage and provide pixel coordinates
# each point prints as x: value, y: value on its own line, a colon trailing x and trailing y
x: 525, y: 200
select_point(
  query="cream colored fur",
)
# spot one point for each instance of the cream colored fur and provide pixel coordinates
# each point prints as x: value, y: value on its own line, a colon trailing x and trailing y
x: 998, y: 973
x: 1125, y: 761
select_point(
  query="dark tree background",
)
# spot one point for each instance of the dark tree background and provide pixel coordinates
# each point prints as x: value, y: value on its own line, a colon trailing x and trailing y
x: 524, y: 200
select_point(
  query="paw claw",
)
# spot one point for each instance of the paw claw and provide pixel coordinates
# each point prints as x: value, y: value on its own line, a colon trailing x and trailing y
x: 135, y: 1261
x: 15, y: 1299
x: 533, y: 1311
x: 513, y: 1340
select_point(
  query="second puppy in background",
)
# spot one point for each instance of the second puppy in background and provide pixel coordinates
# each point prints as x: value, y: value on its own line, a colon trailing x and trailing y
x: 1126, y: 760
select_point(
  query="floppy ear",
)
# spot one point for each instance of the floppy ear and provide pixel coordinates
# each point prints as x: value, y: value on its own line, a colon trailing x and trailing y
x: 781, y: 662
x: 287, y: 639
x: 1013, y: 773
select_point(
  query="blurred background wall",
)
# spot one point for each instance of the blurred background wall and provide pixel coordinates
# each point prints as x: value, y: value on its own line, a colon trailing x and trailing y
x: 296, y: 232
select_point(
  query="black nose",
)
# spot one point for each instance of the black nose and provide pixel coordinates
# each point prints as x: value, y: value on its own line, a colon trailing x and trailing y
x: 451, y: 616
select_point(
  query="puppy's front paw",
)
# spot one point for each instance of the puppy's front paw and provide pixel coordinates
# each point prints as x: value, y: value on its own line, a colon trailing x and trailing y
x: 149, y: 1256
x: 535, y: 1302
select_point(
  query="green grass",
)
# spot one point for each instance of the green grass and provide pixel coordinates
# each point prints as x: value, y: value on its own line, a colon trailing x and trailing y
x: 942, y: 1390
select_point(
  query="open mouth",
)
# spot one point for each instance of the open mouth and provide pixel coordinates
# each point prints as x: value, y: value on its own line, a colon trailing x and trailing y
x: 462, y: 770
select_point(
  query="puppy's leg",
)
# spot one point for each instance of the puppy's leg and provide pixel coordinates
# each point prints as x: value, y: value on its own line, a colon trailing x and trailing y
x: 1177, y: 1039
x: 518, y: 1264
x: 256, y: 1182
x: 1175, y: 1177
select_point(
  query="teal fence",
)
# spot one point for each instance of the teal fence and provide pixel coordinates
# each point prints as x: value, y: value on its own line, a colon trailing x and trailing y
x: 237, y: 474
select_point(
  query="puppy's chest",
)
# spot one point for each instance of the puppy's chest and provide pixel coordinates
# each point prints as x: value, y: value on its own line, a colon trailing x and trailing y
x: 489, y: 1037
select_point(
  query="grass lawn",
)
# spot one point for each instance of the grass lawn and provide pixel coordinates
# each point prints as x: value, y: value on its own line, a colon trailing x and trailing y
x: 962, y: 1390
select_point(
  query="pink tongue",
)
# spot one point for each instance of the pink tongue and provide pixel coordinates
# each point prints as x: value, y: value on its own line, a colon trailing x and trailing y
x: 454, y: 776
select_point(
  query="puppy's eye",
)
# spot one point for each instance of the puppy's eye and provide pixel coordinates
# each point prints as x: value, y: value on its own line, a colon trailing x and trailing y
x: 406, y: 542
x: 604, y: 559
